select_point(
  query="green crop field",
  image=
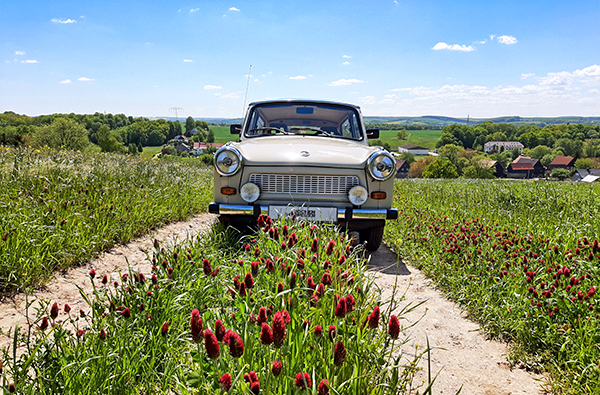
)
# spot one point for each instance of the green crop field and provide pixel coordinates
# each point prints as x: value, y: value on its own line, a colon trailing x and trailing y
x: 423, y: 138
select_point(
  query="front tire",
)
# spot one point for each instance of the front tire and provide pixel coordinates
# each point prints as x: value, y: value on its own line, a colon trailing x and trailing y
x: 372, y: 236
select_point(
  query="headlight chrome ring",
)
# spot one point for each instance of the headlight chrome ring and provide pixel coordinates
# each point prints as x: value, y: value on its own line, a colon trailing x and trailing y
x: 250, y: 192
x: 228, y: 161
x: 358, y: 195
x: 381, y: 165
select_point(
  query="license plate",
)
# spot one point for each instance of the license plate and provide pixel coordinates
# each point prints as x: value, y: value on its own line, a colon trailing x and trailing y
x: 324, y: 214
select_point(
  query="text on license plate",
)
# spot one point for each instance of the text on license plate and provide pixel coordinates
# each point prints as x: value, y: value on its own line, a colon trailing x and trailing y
x: 326, y: 214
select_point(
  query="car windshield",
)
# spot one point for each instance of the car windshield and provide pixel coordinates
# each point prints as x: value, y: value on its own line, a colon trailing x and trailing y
x: 321, y: 119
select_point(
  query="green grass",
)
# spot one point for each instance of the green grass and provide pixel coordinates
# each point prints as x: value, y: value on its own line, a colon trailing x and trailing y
x: 423, y: 138
x: 60, y: 208
x: 149, y: 152
x: 521, y: 257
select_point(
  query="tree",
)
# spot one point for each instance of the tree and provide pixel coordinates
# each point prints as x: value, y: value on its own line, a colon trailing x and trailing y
x: 569, y: 147
x: 539, y: 151
x: 62, y: 133
x: 547, y: 159
x: 211, y: 136
x: 409, y: 157
x: 450, y: 152
x: 560, y: 174
x: 417, y: 168
x: 587, y: 163
x: 189, y: 125
x: 107, y: 140
x: 402, y: 134
x: 440, y: 168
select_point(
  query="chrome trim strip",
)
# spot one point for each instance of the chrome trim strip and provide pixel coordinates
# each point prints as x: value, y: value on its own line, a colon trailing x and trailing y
x: 369, y: 214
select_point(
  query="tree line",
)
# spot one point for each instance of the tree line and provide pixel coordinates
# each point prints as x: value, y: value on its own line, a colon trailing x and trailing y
x: 111, y: 133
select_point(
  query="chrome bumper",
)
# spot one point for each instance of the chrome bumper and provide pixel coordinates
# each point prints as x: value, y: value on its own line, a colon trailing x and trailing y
x: 343, y: 213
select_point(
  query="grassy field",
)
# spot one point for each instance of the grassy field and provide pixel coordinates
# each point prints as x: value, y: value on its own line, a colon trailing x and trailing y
x: 423, y: 138
x: 521, y: 257
x: 59, y: 208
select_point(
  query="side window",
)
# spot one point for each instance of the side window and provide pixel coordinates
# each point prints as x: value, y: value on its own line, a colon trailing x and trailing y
x: 255, y: 123
x: 350, y: 127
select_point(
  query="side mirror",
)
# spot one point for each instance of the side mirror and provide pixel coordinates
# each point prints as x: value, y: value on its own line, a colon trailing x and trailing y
x: 235, y: 128
x: 372, y: 133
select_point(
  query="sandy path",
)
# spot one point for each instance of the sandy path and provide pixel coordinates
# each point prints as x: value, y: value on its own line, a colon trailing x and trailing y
x: 463, y: 357
x: 469, y: 360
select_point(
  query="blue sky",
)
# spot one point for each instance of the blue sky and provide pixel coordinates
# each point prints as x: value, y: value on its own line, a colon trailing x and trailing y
x: 393, y: 58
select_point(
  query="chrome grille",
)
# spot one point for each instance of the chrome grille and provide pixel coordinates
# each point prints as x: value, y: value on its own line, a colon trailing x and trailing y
x: 304, y: 184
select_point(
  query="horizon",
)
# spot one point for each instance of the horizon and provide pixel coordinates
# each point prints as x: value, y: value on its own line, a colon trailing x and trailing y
x: 466, y: 58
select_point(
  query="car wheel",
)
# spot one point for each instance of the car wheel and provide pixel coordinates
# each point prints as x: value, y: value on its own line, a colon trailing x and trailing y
x: 372, y: 236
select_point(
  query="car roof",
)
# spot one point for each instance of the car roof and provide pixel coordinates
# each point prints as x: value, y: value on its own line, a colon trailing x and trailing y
x: 303, y: 101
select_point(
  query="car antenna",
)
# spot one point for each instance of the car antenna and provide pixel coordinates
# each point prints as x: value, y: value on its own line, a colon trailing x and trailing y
x: 246, y: 95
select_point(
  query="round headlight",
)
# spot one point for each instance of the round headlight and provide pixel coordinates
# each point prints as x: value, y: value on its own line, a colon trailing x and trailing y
x: 227, y: 161
x: 381, y: 165
x: 358, y: 195
x: 250, y: 192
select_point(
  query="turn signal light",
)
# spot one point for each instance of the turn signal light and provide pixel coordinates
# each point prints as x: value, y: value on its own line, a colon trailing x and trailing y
x: 228, y: 191
x: 378, y: 195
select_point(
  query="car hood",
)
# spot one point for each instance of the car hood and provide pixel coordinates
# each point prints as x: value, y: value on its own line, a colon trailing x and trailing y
x: 304, y: 151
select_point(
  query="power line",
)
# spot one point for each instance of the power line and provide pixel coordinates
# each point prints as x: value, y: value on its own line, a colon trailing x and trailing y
x: 176, y: 109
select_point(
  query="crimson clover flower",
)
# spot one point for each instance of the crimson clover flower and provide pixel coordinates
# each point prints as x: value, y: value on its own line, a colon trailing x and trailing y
x: 318, y: 331
x: 206, y: 267
x: 92, y: 273
x: 235, y: 343
x: 330, y: 247
x: 350, y: 302
x: 196, y: 325
x: 339, y: 353
x: 44, y: 324
x: 310, y: 283
x: 394, y: 327
x: 323, y: 388
x: 219, y: 330
x: 164, y: 330
x: 266, y: 336
x: 326, y: 279
x: 54, y: 311
x: 332, y: 332
x: 262, y: 315
x: 211, y: 344
x: 102, y: 334
x: 248, y: 280
x: 302, y: 380
x: 278, y: 329
x: 315, y: 245
x: 340, y: 310
x: 126, y: 313
x: 225, y: 382
x: 276, y: 368
x: 374, y: 318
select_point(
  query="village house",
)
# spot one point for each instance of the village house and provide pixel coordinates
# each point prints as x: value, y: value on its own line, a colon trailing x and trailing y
x: 499, y: 167
x: 200, y: 147
x: 413, y: 149
x: 562, y: 162
x: 496, y: 146
x: 525, y: 167
x: 402, y: 168
x: 586, y: 175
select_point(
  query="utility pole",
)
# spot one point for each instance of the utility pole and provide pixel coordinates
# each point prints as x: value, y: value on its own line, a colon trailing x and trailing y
x: 176, y: 109
x: 246, y: 95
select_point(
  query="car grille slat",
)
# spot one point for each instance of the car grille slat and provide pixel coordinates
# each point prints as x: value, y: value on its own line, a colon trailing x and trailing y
x: 299, y: 184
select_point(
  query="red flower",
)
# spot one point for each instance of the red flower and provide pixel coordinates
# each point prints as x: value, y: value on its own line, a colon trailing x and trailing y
x: 350, y: 302
x: 279, y: 287
x: 326, y: 278
x: 196, y: 325
x: 323, y: 387
x: 276, y: 368
x: 262, y: 315
x: 278, y: 329
x: 92, y: 273
x: 339, y: 354
x: 394, y: 327
x: 211, y: 344
x: 102, y: 334
x: 164, y: 330
x: 293, y: 280
x: 225, y: 382
x: 235, y: 343
x: 254, y: 267
x: 126, y: 312
x: 248, y: 280
x: 206, y: 267
x: 44, y: 324
x: 318, y: 330
x: 374, y: 318
x: 340, y: 310
x: 80, y: 332
x: 266, y: 336
x: 54, y: 311
x: 310, y: 283
x: 242, y: 289
x: 302, y: 380
x: 315, y: 245
x: 332, y: 332
x: 255, y: 388
x: 320, y: 290
x: 330, y: 247
x: 219, y: 330
x: 105, y: 279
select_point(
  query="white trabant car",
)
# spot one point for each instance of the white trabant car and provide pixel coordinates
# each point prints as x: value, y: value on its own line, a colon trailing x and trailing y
x: 307, y: 159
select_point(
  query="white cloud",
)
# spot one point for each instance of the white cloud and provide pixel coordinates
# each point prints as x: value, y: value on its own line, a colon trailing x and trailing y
x: 492, y: 36
x: 188, y: 61
x: 29, y: 61
x: 454, y: 47
x: 212, y: 87
x: 233, y: 9
x: 481, y: 42
x: 347, y: 57
x: 346, y: 63
x: 230, y: 96
x: 19, y: 53
x: 85, y: 79
x: 194, y: 10
x: 57, y: 20
x: 298, y: 77
x: 343, y: 82
x: 508, y: 40
x: 591, y: 71
x: 524, y: 76
x: 66, y: 82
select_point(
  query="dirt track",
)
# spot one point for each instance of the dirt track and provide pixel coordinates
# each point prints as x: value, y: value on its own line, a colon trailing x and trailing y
x: 462, y: 356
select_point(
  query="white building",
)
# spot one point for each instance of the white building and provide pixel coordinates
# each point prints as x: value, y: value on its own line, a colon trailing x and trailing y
x: 413, y: 149
x: 497, y: 146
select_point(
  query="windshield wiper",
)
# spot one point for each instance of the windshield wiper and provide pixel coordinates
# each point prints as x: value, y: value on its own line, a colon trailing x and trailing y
x: 317, y: 130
